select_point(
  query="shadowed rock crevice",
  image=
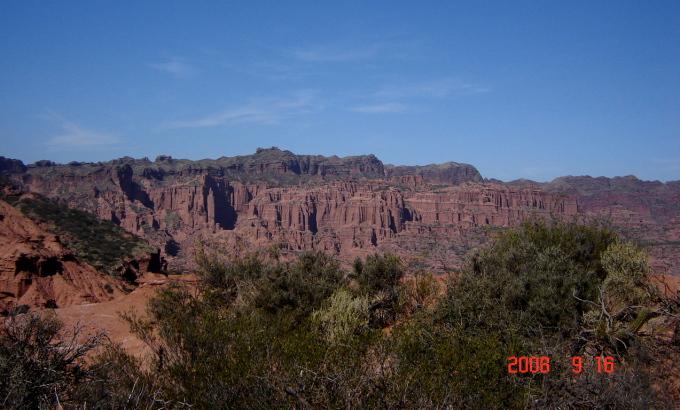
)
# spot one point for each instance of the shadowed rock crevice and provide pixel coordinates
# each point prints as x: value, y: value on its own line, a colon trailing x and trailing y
x: 51, y: 266
x: 133, y: 191
x: 26, y: 263
x: 313, y: 228
x: 216, y: 194
x: 172, y: 247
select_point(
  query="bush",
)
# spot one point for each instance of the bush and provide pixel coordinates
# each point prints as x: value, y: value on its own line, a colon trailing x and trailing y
x: 344, y: 316
x: 301, y: 286
x: 378, y: 273
x: 116, y: 381
x: 41, y: 365
x: 264, y: 333
x: 528, y: 278
x: 626, y: 266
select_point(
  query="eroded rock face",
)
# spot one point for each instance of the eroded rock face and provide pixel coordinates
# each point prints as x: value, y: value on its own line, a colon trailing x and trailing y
x: 36, y: 270
x: 446, y: 173
x: 353, y: 219
x: 346, y: 217
x: 349, y: 206
x: 9, y: 165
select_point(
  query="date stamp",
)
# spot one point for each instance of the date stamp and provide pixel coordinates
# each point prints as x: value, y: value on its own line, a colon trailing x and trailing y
x: 542, y: 364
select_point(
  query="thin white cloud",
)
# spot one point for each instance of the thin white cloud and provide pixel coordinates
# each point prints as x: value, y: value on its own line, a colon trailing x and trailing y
x: 263, y: 111
x: 388, y: 107
x: 73, y: 135
x: 174, y: 66
x: 272, y: 71
x: 437, y: 88
x: 333, y: 54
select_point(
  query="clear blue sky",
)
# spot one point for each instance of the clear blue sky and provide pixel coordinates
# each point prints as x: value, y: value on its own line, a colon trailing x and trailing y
x: 519, y: 89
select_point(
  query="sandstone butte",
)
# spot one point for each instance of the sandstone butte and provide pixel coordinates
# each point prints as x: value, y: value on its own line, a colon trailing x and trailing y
x: 430, y: 215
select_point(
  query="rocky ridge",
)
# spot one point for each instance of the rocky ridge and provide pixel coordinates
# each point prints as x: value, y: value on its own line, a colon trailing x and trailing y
x: 349, y: 206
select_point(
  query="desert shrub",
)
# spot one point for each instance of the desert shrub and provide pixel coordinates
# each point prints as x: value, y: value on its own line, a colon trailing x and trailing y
x: 421, y: 291
x: 626, y: 266
x: 437, y: 367
x: 528, y: 278
x: 344, y: 316
x: 378, y: 272
x: 116, y: 381
x: 379, y: 277
x: 222, y: 280
x: 41, y: 364
x: 253, y: 350
x: 301, y: 286
x: 625, y: 389
x: 542, y: 289
x: 624, y: 303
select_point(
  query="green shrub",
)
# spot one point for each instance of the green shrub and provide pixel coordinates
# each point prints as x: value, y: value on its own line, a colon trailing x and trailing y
x: 626, y: 267
x: 344, y: 316
x: 301, y: 286
x: 378, y: 273
x: 528, y: 278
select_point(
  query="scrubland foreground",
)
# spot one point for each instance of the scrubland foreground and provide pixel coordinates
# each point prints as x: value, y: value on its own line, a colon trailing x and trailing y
x: 259, y: 332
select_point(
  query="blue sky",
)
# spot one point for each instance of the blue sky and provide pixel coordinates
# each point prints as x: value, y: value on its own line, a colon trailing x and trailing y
x: 519, y: 89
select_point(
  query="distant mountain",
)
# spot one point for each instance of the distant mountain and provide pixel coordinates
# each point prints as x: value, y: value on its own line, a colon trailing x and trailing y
x: 348, y: 206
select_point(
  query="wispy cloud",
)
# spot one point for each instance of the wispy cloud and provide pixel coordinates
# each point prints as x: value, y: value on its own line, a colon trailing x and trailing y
x: 263, y: 111
x: 328, y: 54
x: 388, y: 107
x: 271, y: 70
x: 73, y: 135
x: 174, y: 66
x: 437, y: 88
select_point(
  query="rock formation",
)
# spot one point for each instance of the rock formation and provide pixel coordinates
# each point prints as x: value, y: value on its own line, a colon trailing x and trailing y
x: 349, y: 206
x: 38, y: 271
x: 446, y: 173
x: 11, y: 166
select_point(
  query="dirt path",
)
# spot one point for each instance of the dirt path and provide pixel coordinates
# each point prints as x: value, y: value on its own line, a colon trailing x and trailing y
x: 105, y: 316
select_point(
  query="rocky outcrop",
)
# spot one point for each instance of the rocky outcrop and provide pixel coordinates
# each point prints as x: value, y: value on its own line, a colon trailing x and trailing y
x: 38, y: 271
x: 446, y: 173
x: 13, y: 166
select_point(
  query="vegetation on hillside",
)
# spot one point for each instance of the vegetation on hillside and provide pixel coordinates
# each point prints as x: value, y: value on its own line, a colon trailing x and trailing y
x: 261, y: 333
x: 100, y: 243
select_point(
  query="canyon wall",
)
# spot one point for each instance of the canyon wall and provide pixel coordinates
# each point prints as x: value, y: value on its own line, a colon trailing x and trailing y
x: 349, y: 206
